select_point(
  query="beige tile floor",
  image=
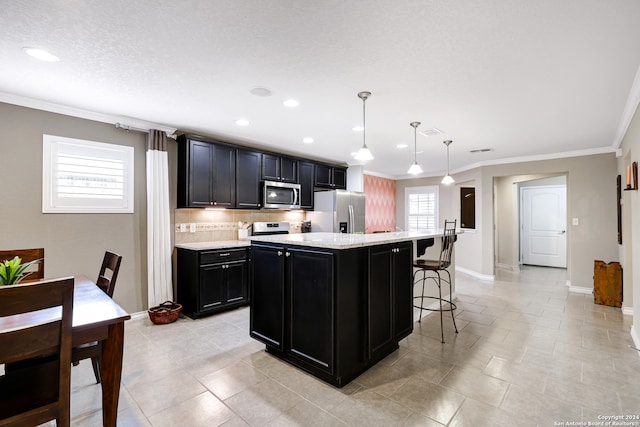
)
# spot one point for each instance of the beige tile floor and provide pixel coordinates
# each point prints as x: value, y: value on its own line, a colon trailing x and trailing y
x: 528, y: 353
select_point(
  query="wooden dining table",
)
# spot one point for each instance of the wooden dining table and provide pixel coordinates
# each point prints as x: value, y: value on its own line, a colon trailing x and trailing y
x: 96, y: 317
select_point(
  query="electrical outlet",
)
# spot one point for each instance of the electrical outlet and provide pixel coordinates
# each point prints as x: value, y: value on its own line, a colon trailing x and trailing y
x: 192, y: 228
x: 183, y: 228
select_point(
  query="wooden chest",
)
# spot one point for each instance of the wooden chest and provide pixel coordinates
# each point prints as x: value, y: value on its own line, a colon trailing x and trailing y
x: 607, y: 283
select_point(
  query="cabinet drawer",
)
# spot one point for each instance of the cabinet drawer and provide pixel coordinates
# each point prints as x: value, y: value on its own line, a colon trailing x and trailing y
x: 214, y: 257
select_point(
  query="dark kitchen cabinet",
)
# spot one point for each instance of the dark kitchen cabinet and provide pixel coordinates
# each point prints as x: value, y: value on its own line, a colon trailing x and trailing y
x: 210, y: 281
x: 248, y: 179
x: 331, y: 177
x: 390, y: 279
x: 295, y: 313
x: 206, y: 173
x: 307, y: 177
x: 279, y: 168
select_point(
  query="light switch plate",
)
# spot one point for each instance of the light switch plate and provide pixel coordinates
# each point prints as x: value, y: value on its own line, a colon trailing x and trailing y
x: 575, y: 221
x: 183, y: 228
x: 192, y: 228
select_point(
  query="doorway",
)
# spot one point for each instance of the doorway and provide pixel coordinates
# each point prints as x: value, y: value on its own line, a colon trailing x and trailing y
x: 543, y: 225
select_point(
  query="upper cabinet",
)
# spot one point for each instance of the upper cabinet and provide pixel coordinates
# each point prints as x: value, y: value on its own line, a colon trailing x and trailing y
x: 331, y: 177
x: 279, y: 168
x: 212, y: 173
x: 206, y: 173
x: 307, y: 181
x: 248, y: 179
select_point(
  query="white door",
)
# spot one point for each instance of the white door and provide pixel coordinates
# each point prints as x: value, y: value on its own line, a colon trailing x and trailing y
x: 544, y: 226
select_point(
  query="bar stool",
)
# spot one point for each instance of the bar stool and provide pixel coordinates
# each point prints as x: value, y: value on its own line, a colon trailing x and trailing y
x: 437, y: 268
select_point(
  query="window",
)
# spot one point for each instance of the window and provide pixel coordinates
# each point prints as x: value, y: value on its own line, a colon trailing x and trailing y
x: 86, y: 176
x: 421, y: 207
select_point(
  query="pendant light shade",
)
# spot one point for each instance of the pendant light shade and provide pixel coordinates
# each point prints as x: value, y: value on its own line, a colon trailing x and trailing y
x: 364, y: 154
x: 415, y: 168
x: 447, y: 178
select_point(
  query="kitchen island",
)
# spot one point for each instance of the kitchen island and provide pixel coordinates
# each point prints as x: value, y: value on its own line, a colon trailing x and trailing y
x: 333, y: 304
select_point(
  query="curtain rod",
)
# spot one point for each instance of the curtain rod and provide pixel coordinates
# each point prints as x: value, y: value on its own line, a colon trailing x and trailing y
x: 128, y: 128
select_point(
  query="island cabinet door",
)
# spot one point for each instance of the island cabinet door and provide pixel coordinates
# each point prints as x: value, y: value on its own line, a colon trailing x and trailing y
x: 380, y: 300
x: 237, y: 282
x: 212, y: 280
x: 267, y: 296
x: 403, y: 290
x: 310, y: 316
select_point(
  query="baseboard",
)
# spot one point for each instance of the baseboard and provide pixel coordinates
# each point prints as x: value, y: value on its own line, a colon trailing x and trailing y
x: 580, y: 289
x: 138, y: 315
x: 485, y: 277
x: 635, y: 338
x: 514, y: 268
x: 627, y: 310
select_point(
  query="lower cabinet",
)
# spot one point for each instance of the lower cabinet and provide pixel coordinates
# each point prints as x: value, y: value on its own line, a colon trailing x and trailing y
x: 294, y: 310
x: 210, y: 281
x: 333, y: 313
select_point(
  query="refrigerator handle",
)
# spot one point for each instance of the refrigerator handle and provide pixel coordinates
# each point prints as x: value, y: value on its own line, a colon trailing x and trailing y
x: 351, y: 219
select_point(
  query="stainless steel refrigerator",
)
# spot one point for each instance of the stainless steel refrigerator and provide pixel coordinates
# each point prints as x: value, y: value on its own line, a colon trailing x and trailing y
x: 338, y: 211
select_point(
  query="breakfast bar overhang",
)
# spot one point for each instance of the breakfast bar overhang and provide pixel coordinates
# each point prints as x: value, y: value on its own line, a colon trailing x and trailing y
x: 334, y: 304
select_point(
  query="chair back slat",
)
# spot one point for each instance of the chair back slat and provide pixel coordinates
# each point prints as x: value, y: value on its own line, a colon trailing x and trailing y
x: 448, y: 239
x: 27, y: 255
x: 109, y: 272
x: 37, y: 322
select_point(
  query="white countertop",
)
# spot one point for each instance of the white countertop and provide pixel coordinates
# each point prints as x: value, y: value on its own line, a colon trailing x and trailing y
x: 222, y: 244
x: 347, y: 241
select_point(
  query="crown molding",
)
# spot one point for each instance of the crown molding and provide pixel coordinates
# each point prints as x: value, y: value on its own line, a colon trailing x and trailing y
x: 629, y: 111
x: 127, y: 122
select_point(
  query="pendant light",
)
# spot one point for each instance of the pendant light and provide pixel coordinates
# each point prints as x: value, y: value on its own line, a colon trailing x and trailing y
x: 415, y: 167
x: 447, y: 178
x: 364, y: 154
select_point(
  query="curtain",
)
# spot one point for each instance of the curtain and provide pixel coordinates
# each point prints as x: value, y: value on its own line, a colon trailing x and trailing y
x: 158, y: 220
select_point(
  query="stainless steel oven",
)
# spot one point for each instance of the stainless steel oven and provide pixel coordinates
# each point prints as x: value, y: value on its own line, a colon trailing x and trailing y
x: 281, y: 195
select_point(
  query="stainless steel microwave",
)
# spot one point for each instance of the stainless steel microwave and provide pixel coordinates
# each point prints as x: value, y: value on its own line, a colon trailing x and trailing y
x: 281, y: 195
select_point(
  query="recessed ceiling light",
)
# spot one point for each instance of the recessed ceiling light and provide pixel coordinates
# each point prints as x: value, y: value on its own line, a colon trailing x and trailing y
x: 40, y: 54
x: 291, y: 103
x: 308, y: 140
x: 357, y: 128
x: 242, y: 122
x: 260, y: 91
x: 401, y: 146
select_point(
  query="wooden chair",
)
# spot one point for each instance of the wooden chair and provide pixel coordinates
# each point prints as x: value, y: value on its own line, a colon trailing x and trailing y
x: 107, y: 282
x: 27, y: 255
x: 37, y: 347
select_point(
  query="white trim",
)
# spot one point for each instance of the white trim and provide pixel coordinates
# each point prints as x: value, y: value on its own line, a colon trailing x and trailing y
x: 514, y: 268
x: 38, y: 104
x: 485, y: 277
x: 635, y: 338
x: 381, y: 175
x: 580, y: 289
x: 629, y: 111
x: 568, y: 283
x: 627, y: 310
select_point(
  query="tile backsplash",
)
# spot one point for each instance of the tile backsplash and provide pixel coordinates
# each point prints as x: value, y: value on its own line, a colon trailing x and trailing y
x: 222, y: 224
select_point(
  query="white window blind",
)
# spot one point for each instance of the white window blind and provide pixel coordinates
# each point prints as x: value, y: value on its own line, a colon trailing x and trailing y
x: 421, y: 207
x: 86, y: 176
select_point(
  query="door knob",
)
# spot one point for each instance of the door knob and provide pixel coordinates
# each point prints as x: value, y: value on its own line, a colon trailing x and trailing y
x: 562, y: 232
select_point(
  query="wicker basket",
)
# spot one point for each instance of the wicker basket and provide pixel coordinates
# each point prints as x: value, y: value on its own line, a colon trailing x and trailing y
x: 167, y: 312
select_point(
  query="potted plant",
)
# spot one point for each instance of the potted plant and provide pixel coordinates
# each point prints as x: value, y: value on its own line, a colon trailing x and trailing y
x: 12, y: 271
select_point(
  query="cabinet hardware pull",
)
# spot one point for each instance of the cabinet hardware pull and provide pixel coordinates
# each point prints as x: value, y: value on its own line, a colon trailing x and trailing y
x: 225, y: 254
x: 288, y: 254
x: 279, y: 253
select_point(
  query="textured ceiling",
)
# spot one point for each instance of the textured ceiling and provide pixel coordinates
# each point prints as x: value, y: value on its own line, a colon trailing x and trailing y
x: 525, y: 78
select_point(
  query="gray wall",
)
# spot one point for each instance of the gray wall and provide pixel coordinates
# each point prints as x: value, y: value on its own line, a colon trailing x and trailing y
x: 630, y: 249
x: 591, y: 198
x: 74, y: 243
